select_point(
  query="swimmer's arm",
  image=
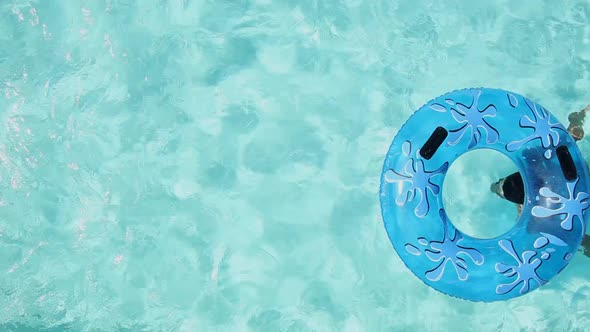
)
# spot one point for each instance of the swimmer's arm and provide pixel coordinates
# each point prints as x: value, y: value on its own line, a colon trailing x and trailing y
x: 586, y: 245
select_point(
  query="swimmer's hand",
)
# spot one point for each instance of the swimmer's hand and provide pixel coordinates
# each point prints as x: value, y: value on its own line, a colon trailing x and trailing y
x: 576, y: 120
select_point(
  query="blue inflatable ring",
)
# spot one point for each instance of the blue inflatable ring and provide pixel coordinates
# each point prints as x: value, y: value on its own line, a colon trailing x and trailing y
x: 553, y: 220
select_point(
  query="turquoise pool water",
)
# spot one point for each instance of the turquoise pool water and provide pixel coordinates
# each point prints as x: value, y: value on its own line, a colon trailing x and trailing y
x: 214, y: 165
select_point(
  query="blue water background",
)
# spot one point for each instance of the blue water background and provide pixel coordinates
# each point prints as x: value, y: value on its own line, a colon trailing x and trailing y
x: 214, y: 165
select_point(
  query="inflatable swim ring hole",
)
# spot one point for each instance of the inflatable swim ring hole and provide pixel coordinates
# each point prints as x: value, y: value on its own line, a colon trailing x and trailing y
x: 470, y: 204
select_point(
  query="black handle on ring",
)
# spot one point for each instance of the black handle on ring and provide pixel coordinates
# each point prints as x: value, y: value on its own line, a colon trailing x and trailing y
x: 433, y: 143
x: 567, y: 163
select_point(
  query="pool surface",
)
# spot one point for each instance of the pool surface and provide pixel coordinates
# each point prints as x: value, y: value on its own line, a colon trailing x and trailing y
x: 214, y: 165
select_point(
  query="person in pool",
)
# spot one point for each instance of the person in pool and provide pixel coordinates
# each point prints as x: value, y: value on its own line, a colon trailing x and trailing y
x: 511, y: 187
